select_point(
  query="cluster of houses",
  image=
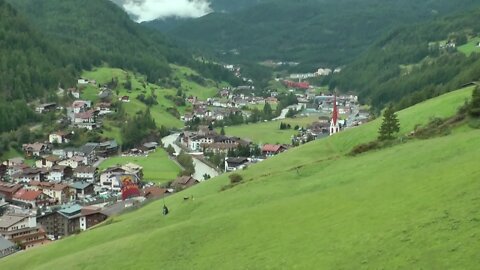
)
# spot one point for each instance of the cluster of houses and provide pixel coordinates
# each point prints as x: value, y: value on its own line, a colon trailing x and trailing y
x: 55, y: 193
x: 230, y: 101
x: 83, y: 115
x: 205, y: 140
x: 210, y: 142
x: 240, y: 163
x: 320, y: 72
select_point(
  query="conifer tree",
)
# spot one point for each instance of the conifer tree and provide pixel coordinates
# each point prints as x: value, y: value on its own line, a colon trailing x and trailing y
x: 474, y: 108
x: 390, y: 125
x: 267, y: 111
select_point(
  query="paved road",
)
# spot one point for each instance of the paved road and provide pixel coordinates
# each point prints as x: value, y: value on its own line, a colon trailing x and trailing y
x: 98, y: 162
x: 283, y: 115
x: 200, y: 167
x: 352, y: 117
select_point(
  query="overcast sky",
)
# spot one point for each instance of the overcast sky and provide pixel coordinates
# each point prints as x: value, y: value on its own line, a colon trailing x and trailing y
x: 147, y: 10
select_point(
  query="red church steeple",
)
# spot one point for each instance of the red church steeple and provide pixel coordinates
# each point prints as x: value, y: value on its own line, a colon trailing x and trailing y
x: 335, y: 111
x: 334, y: 126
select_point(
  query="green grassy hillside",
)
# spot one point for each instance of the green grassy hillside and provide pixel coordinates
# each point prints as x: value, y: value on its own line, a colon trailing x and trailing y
x: 269, y: 132
x: 159, y: 112
x: 105, y: 74
x: 470, y: 47
x: 414, y: 205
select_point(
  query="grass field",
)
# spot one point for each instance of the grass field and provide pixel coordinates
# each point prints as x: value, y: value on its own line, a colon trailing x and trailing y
x: 157, y: 167
x: 105, y: 74
x: 261, y: 106
x: 269, y: 132
x: 111, y: 131
x: 470, y: 47
x: 12, y: 153
x: 194, y: 89
x: 90, y: 92
x: 412, y: 206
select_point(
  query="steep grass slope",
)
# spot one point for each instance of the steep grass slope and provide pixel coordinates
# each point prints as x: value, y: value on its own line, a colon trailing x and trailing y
x: 415, y: 205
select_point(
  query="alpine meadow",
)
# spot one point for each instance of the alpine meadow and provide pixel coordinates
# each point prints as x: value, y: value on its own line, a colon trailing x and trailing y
x: 253, y: 134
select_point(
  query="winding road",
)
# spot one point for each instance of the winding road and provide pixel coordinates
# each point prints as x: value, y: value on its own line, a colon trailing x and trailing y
x: 200, y: 167
x: 284, y: 112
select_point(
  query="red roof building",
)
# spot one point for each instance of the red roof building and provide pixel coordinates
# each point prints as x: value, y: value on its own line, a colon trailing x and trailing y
x: 154, y: 192
x: 273, y: 149
x: 32, y: 198
x: 7, y: 190
x: 298, y: 85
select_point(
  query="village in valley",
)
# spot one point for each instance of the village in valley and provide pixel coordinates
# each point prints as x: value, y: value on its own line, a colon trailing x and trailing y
x: 57, y: 188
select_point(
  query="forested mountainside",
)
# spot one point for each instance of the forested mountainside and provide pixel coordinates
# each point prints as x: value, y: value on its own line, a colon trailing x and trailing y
x: 29, y: 66
x: 99, y: 31
x: 312, y: 32
x: 415, y: 63
x: 46, y: 44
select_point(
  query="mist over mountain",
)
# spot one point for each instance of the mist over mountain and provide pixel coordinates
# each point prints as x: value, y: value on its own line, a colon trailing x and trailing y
x: 147, y: 10
x: 177, y: 11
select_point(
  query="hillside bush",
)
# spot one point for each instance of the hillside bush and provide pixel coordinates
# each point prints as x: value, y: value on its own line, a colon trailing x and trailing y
x: 235, y: 178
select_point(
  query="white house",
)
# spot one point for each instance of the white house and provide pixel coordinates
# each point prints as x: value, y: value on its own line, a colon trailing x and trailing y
x: 79, y: 106
x: 233, y: 164
x: 58, y: 192
x: 103, y: 108
x: 47, y: 162
x: 82, y: 81
x: 73, y: 162
x: 59, y: 137
x: 85, y: 173
x: 56, y: 175
x: 112, y: 177
x: 194, y: 143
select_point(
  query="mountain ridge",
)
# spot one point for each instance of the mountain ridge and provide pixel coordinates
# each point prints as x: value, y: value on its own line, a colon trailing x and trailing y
x: 312, y: 32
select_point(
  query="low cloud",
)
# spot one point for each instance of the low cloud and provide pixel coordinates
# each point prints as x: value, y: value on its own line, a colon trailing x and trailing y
x: 148, y: 10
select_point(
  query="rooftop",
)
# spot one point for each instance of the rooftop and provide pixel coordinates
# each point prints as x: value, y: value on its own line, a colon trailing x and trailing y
x: 27, y: 195
x: 80, y: 185
x: 71, y: 209
x: 5, y: 244
x: 9, y: 220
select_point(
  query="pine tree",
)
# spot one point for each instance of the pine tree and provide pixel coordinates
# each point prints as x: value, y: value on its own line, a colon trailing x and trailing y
x: 222, y: 131
x: 390, y: 125
x: 474, y: 108
x: 267, y: 111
